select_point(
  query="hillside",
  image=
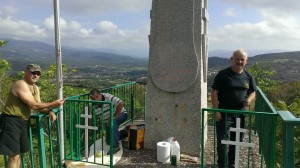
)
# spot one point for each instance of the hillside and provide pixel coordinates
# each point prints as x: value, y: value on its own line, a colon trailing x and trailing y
x: 20, y: 52
x: 111, y: 66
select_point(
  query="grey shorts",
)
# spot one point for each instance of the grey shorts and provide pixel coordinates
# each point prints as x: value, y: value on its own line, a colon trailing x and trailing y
x: 14, y: 135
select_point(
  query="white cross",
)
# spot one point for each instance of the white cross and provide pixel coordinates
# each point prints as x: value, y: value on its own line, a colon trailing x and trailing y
x: 237, y: 142
x: 86, y: 131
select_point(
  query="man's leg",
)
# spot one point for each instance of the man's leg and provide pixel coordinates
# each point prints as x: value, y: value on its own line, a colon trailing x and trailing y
x: 14, y: 161
x: 118, y: 121
x: 123, y: 133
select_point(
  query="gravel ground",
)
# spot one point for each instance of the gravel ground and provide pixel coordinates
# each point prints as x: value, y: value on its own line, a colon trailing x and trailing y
x: 147, y: 158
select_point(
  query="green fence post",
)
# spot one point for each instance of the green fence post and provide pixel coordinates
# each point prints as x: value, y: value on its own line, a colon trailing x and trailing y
x: 288, y: 134
x: 111, y: 134
x: 59, y: 140
x: 23, y: 161
x: 41, y: 141
x: 31, y: 146
x: 132, y: 106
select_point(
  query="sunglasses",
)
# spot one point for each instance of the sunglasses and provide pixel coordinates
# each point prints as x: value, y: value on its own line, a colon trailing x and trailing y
x: 36, y: 73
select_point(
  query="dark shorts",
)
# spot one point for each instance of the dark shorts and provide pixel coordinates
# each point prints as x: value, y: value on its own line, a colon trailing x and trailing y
x: 14, y: 136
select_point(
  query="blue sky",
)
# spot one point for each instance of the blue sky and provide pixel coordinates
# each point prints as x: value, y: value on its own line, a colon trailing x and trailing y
x: 123, y: 26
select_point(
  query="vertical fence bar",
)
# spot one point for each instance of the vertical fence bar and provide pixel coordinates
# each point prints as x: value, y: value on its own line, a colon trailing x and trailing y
x: 202, y: 138
x: 41, y: 141
x: 250, y: 133
x: 132, y: 106
x: 288, y: 134
x: 215, y: 137
x: 59, y: 140
x: 23, y: 161
x: 111, y: 134
x: 31, y: 147
x: 50, y: 142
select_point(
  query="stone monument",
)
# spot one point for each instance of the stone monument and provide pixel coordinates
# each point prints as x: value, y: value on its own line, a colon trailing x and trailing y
x: 177, y: 77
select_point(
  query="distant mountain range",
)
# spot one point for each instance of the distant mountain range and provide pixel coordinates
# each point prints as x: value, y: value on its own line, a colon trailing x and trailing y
x: 18, y: 53
x: 251, y: 53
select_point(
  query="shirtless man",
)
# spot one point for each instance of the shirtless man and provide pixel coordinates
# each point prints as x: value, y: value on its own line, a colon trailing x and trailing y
x: 23, y: 98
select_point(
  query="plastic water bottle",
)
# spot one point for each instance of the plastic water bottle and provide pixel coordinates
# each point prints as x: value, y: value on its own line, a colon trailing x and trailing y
x: 175, y: 149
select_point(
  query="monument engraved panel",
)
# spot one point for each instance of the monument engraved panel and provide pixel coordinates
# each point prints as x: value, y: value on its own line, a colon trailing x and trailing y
x: 173, y: 64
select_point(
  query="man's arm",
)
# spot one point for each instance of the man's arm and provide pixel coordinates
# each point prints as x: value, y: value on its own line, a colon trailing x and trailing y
x: 215, y: 103
x: 251, y: 98
x: 21, y: 90
x: 214, y: 98
x: 118, y: 109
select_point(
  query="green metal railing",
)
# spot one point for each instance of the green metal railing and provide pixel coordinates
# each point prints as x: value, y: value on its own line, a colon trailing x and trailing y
x: 75, y: 142
x: 261, y: 122
x: 289, y: 122
x: 266, y: 141
x: 133, y: 96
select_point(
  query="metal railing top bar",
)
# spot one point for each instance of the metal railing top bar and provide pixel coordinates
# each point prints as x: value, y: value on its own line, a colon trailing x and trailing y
x: 77, y: 96
x: 288, y: 117
x: 121, y: 85
x: 90, y: 101
x: 266, y: 100
x: 103, y: 90
x: 236, y: 111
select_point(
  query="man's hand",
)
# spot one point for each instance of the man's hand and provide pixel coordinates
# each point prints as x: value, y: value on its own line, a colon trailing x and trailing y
x: 247, y: 103
x: 52, y: 116
x: 58, y: 102
x: 218, y: 116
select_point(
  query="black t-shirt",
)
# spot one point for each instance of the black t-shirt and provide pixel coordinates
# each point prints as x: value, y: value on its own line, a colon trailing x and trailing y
x: 233, y: 88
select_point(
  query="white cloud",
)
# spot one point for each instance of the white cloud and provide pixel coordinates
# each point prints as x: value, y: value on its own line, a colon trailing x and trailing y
x: 276, y: 30
x: 105, y: 27
x: 113, y: 24
x: 20, y: 29
x: 106, y: 34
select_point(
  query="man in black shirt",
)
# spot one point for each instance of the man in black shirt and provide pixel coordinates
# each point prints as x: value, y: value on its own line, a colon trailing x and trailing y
x: 233, y: 88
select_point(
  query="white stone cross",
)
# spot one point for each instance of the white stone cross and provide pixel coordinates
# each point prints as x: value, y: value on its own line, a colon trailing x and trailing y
x: 86, y: 131
x: 237, y: 142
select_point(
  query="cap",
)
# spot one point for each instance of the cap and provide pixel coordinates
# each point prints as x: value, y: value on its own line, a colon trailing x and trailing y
x: 33, y: 68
